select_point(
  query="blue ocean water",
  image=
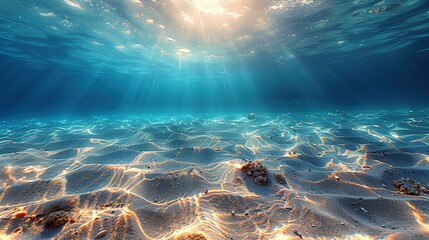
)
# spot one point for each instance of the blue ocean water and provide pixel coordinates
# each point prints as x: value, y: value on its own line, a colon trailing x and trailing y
x: 223, y: 55
x: 214, y: 119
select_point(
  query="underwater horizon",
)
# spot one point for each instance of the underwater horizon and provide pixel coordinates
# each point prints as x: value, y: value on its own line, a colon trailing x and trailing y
x: 214, y: 119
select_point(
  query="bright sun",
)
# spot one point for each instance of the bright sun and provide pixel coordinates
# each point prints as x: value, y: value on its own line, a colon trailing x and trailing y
x: 214, y: 7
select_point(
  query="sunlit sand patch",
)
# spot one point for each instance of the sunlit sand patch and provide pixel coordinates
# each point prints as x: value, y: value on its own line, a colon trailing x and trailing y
x: 421, y: 218
x: 127, y: 176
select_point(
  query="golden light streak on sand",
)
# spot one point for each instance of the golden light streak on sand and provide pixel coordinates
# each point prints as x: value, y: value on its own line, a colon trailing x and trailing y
x: 330, y: 163
x: 215, y: 192
x: 358, y: 236
x: 392, y: 236
x: 137, y: 170
x: 347, y: 152
x: 283, y: 236
x: 9, y: 173
x: 359, y: 160
x: 134, y: 216
x: 4, y: 193
x: 254, y: 150
x: 306, y: 198
x: 158, y: 204
x: 343, y: 167
x: 420, y: 218
x: 117, y: 172
x: 5, y: 237
x: 141, y: 156
x: 379, y: 136
x: 290, y: 153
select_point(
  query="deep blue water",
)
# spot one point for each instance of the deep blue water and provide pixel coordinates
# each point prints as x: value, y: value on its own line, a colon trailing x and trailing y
x: 211, y: 56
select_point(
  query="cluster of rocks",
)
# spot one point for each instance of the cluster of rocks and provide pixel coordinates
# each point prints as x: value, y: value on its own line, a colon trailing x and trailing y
x: 260, y: 172
x: 409, y: 186
x: 256, y: 170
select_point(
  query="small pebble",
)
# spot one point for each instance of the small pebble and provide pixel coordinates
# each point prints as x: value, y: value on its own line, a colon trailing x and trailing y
x: 100, y: 234
x: 232, y: 212
x: 20, y: 214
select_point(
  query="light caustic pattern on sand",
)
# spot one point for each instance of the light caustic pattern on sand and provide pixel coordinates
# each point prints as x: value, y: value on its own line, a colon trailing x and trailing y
x: 167, y: 177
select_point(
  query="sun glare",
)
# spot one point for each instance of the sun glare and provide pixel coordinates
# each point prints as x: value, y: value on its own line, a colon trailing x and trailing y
x: 215, y: 7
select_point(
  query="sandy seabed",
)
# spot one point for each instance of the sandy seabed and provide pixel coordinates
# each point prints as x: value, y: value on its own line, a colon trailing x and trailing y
x: 180, y: 177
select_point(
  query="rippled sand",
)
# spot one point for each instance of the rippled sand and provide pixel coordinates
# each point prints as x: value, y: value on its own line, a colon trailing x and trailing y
x: 167, y: 177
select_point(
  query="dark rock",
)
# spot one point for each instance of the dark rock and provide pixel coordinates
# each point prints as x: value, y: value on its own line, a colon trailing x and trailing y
x: 280, y: 178
x: 296, y: 232
x: 261, y: 180
x: 57, y: 219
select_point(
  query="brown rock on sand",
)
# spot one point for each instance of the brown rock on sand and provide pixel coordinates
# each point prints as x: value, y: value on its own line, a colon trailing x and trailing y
x: 57, y: 219
x: 20, y: 214
x: 409, y: 186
